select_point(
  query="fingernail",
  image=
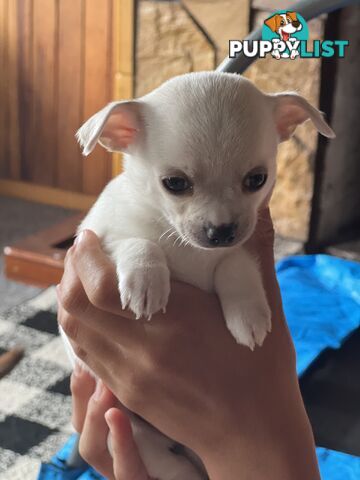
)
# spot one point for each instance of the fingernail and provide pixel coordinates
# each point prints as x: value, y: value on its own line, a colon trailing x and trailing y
x: 98, y: 390
x: 79, y: 237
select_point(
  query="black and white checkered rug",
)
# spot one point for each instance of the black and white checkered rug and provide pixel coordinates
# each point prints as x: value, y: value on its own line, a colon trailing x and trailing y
x: 35, y: 404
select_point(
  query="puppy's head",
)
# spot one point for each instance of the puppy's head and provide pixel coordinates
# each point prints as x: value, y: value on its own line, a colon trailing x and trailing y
x: 202, y: 150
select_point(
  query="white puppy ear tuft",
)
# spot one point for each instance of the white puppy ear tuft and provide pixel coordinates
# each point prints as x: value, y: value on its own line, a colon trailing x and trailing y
x: 291, y: 110
x: 115, y: 127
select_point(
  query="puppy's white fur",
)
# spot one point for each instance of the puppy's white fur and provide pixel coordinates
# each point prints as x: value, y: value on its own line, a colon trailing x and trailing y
x: 214, y: 128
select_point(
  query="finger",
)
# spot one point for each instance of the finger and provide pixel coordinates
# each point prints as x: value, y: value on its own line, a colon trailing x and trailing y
x: 265, y: 227
x: 90, y: 346
x: 94, y: 438
x: 127, y: 461
x: 267, y: 199
x: 75, y: 308
x: 100, y: 353
x: 73, y: 293
x: 97, y: 274
x: 262, y: 240
x: 82, y: 386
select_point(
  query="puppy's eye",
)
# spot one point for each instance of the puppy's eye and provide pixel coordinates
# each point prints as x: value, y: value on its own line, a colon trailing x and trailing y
x: 282, y: 22
x: 177, y: 184
x: 255, y: 180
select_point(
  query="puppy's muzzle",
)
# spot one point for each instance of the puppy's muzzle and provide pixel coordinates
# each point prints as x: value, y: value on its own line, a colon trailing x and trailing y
x: 222, y: 235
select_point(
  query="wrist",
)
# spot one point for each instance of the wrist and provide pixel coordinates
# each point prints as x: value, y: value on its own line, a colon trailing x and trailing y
x: 258, y: 460
x: 257, y: 452
x: 220, y: 458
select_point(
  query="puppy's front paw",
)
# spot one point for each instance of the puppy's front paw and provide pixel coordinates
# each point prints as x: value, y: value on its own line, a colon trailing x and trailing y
x: 249, y: 323
x: 145, y: 290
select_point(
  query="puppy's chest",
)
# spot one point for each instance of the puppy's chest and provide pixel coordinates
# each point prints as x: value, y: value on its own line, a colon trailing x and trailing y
x: 192, y: 266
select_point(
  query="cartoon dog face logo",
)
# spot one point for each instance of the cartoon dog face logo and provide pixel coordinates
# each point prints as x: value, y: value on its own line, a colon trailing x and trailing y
x: 284, y: 24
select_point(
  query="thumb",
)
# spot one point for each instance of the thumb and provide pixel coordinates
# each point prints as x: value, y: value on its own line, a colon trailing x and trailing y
x: 127, y: 461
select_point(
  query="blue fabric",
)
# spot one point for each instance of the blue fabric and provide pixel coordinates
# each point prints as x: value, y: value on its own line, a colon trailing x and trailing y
x: 337, y: 465
x: 321, y: 297
x: 57, y: 469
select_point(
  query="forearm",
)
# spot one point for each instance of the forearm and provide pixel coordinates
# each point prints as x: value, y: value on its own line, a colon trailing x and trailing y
x: 265, y: 433
x: 280, y: 449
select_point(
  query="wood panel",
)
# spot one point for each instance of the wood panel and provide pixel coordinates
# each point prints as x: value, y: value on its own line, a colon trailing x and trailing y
x: 70, y: 95
x: 123, y: 59
x: 97, y: 86
x: 4, y: 164
x: 58, y: 60
x: 44, y: 151
x: 13, y: 103
x: 25, y: 84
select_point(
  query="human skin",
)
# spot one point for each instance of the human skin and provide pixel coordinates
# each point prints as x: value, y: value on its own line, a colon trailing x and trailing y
x: 240, y: 411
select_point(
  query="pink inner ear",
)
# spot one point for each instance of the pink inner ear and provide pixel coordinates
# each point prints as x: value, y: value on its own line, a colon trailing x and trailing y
x: 288, y: 117
x: 120, y: 130
x: 119, y: 137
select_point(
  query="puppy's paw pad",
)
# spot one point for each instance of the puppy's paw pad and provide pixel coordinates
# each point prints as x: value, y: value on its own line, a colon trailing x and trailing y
x: 145, y: 290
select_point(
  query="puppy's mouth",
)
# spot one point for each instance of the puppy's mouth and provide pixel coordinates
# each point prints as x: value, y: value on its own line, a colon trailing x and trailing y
x: 203, y: 242
x: 207, y: 246
x: 285, y: 36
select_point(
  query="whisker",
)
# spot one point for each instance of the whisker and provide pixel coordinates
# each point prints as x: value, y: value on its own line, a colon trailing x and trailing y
x: 180, y: 240
x: 163, y: 234
x: 171, y: 234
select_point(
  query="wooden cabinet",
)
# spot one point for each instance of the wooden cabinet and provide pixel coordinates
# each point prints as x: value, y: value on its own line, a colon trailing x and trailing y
x: 60, y: 62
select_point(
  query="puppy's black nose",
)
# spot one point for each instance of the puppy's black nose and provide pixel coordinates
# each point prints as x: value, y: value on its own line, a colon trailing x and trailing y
x: 221, y: 235
x: 296, y: 23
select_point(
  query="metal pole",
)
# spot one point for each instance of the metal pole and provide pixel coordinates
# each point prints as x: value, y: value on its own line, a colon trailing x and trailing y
x: 309, y: 9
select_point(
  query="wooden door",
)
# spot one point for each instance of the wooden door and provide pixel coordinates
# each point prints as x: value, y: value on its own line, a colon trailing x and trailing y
x: 60, y: 62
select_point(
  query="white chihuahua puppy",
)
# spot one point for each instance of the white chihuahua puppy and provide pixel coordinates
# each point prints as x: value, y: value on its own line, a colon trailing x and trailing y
x: 199, y: 162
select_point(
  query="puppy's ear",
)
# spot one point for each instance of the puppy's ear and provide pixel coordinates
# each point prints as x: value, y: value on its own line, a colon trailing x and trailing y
x: 291, y: 110
x: 115, y: 127
x: 272, y: 22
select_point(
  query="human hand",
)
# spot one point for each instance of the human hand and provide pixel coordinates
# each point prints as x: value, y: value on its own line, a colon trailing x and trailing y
x: 188, y: 364
x: 94, y: 417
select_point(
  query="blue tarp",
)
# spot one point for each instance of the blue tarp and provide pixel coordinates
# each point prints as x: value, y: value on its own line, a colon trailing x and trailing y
x: 321, y: 297
x: 57, y: 469
x: 338, y: 465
